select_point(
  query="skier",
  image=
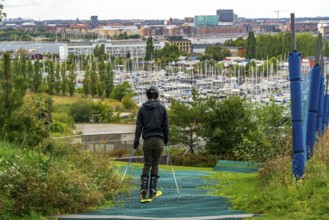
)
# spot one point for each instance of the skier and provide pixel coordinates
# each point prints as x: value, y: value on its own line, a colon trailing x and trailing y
x: 152, y: 124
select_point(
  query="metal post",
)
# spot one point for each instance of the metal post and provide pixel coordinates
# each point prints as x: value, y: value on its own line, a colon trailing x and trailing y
x: 173, y: 171
x: 293, y: 31
x: 318, y: 49
x: 132, y: 155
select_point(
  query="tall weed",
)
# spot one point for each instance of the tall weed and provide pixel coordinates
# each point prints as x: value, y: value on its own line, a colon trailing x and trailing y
x: 55, y: 178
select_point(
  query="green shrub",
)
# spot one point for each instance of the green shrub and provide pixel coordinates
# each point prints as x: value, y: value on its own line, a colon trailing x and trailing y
x: 67, y: 180
x: 81, y: 110
x: 196, y: 160
x: 26, y: 125
x: 60, y: 128
x: 101, y: 112
x: 63, y: 117
x: 128, y: 102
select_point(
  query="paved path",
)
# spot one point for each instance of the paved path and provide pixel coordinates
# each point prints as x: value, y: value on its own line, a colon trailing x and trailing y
x: 105, y: 128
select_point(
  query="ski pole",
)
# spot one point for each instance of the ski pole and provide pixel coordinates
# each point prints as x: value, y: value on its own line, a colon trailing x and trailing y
x: 132, y: 155
x: 173, y: 172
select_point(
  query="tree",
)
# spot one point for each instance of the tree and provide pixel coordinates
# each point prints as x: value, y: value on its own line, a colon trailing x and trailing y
x: 81, y: 110
x: 72, y: 79
x: 216, y: 52
x: 168, y: 53
x: 64, y: 79
x: 37, y: 77
x: 108, y: 80
x: 93, y: 79
x: 251, y: 46
x: 226, y: 123
x: 86, y: 81
x: 101, y: 77
x: 128, y: 102
x: 149, y: 53
x: 121, y: 90
x: 58, y: 78
x: 51, y: 78
x: 29, y: 73
x: 273, y: 122
x: 185, y: 123
x: 239, y: 42
x: 2, y: 13
x: 12, y: 92
x: 326, y: 49
x: 99, y: 51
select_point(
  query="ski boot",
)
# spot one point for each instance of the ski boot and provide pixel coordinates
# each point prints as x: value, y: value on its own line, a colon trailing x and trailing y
x: 153, y: 186
x: 144, y: 187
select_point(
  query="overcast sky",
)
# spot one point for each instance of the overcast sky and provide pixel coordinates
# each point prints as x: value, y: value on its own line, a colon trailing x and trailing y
x: 154, y: 9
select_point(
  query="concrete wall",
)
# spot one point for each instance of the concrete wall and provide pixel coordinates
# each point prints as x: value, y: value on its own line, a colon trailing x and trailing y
x: 108, y: 141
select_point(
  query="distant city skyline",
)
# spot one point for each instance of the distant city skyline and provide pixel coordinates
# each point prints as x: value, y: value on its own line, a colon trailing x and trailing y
x: 152, y: 9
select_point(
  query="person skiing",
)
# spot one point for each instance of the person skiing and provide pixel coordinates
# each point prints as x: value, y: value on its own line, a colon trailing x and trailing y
x: 152, y: 124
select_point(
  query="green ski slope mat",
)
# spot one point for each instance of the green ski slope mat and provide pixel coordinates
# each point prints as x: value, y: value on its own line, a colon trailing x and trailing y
x: 236, y: 166
x: 194, y: 202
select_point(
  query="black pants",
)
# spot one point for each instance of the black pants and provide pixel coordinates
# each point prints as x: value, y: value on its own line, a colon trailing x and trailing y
x: 152, y: 149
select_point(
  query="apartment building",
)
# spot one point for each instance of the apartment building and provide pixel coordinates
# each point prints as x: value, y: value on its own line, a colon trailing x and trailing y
x: 183, y: 44
x: 77, y: 48
x: 111, y: 31
x: 136, y: 48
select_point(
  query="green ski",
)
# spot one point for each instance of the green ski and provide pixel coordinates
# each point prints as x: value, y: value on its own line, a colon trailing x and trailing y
x: 159, y: 193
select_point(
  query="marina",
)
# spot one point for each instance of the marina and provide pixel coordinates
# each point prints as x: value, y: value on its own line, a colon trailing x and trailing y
x: 175, y: 81
x: 258, y: 87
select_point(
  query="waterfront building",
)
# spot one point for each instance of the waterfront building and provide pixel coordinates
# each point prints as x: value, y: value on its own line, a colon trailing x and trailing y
x: 151, y: 30
x: 111, y: 31
x: 136, y: 48
x: 181, y: 43
x: 323, y: 28
x: 205, y: 21
x: 120, y: 48
x: 225, y: 15
x: 76, y: 48
x: 219, y: 30
x: 93, y: 22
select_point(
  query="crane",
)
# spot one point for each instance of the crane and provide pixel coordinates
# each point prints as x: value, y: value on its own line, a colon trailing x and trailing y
x: 278, y: 13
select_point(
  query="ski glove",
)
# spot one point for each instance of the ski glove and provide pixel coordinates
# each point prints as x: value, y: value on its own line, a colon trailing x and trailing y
x: 136, y: 144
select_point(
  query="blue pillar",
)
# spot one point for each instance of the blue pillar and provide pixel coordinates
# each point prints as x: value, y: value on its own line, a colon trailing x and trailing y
x: 298, y: 163
x: 312, y: 110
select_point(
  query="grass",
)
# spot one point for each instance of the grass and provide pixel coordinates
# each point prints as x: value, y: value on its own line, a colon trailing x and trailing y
x: 274, y: 194
x: 271, y: 193
x: 67, y: 100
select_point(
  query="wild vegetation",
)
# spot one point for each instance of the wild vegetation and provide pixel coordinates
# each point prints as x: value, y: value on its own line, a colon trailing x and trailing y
x: 274, y: 194
x: 41, y: 175
x: 231, y: 127
x: 55, y: 177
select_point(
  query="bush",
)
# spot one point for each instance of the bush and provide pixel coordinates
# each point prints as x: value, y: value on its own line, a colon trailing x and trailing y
x: 101, y: 112
x: 27, y: 125
x: 63, y: 116
x: 68, y: 180
x: 81, y: 110
x: 196, y: 160
x: 128, y: 102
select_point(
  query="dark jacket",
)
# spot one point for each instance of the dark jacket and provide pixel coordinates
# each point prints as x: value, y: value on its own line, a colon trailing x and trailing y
x: 152, y: 121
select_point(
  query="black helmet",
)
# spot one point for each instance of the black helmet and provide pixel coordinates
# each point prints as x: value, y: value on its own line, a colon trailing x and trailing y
x: 152, y: 93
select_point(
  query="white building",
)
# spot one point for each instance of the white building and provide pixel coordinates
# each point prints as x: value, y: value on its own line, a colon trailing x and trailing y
x: 77, y: 48
x: 323, y: 28
x: 136, y: 48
